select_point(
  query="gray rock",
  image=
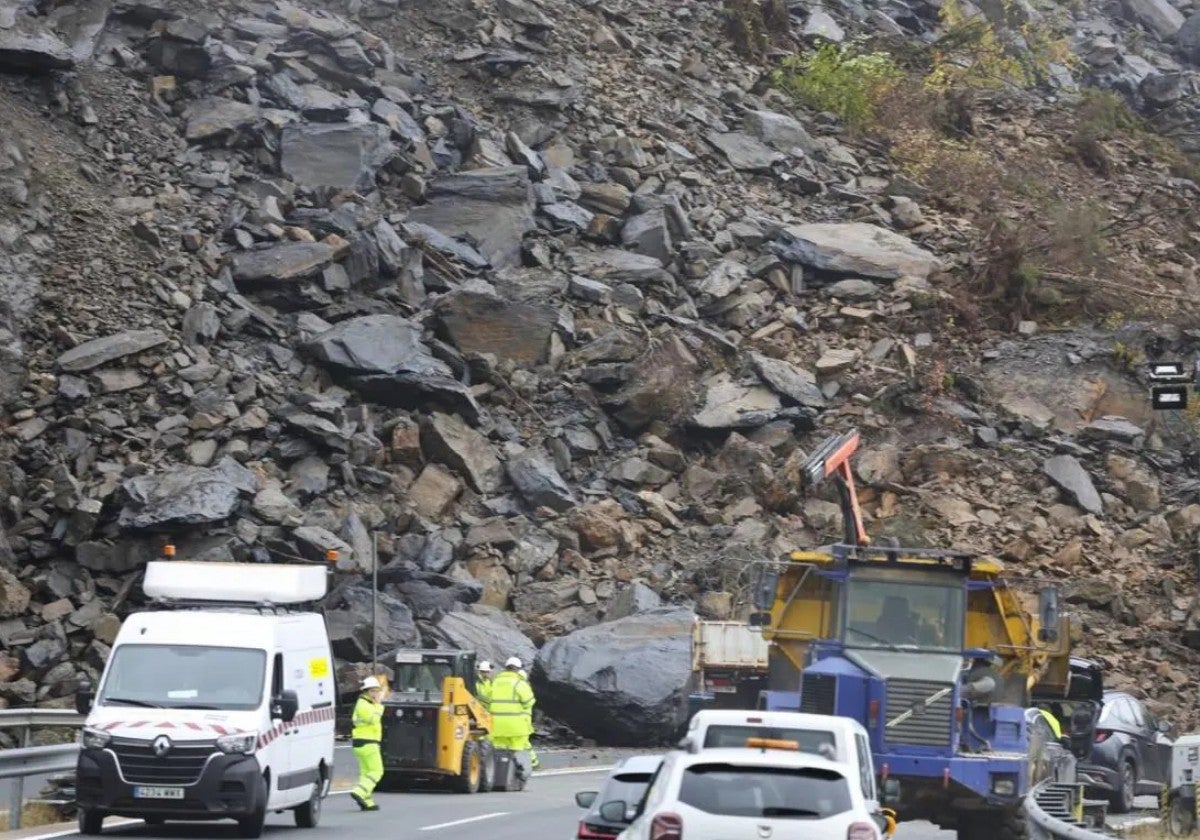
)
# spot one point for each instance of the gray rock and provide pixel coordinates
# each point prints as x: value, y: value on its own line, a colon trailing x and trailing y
x: 216, y: 117
x: 855, y: 248
x: 452, y: 441
x: 25, y: 49
x: 101, y: 351
x: 852, y: 288
x: 281, y: 263
x: 1157, y: 15
x: 350, y: 624
x: 789, y: 381
x: 1073, y: 479
x: 779, y: 131
x: 732, y: 405
x: 634, y: 599
x: 383, y: 357
x: 621, y: 682
x: 462, y: 252
x: 568, y: 213
x: 744, y: 152
x: 543, y: 598
x: 1113, y: 428
x: 723, y: 279
x: 592, y: 291
x: 614, y: 265
x: 315, y: 542
x: 821, y: 25
x: 534, y: 475
x: 1188, y: 38
x: 482, y: 322
x: 337, y: 155
x: 492, y: 634
x: 14, y: 595
x: 647, y: 233
x: 185, y: 495
x: 494, y: 207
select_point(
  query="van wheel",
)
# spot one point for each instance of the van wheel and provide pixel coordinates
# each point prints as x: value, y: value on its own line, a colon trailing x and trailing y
x: 309, y: 814
x: 251, y: 827
x: 487, y: 777
x: 90, y: 822
x: 467, y: 780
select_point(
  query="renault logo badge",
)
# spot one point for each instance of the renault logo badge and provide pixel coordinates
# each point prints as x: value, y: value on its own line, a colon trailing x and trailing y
x: 161, y: 746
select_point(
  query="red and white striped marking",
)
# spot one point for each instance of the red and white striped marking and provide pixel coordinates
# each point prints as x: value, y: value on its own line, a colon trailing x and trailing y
x: 309, y: 718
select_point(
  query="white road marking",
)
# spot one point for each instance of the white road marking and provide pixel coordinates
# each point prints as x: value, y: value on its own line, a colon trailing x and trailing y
x: 571, y: 771
x: 463, y: 822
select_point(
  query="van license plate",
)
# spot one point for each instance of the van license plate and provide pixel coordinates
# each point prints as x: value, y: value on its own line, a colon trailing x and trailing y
x: 158, y: 793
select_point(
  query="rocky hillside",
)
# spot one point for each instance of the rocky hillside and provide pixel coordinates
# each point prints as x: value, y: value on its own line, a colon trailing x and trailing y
x: 546, y: 301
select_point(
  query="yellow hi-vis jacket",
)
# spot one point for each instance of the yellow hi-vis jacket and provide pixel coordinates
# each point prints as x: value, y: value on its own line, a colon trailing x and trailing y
x: 511, y: 704
x: 1055, y: 726
x: 483, y: 691
x: 368, y: 720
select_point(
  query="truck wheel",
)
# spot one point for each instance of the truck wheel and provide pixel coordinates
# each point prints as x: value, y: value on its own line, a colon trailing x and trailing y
x: 487, y: 776
x: 309, y: 814
x: 467, y: 780
x: 1121, y: 800
x: 90, y: 822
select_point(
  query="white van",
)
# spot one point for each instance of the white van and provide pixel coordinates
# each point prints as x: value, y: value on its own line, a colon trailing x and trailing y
x: 839, y: 739
x: 218, y: 704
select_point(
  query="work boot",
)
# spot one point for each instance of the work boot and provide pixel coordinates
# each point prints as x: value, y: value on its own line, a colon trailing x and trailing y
x: 359, y: 801
x: 374, y: 806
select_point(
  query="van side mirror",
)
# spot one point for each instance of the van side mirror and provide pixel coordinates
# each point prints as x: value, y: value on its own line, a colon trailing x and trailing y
x: 891, y: 793
x: 84, y: 697
x: 1165, y: 727
x: 585, y: 798
x: 1048, y: 613
x: 285, y: 706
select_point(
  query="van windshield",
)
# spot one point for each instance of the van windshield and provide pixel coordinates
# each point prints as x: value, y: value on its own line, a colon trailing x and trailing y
x: 810, y: 740
x: 185, y: 677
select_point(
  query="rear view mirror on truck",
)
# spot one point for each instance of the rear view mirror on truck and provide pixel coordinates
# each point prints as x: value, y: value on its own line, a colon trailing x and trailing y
x: 764, y: 588
x: 1048, y: 614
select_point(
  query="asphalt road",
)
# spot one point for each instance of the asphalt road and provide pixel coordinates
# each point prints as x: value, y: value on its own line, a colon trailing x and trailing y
x: 546, y: 809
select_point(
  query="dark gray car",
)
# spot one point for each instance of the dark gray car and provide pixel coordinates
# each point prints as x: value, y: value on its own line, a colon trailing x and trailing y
x: 627, y: 782
x: 1131, y: 755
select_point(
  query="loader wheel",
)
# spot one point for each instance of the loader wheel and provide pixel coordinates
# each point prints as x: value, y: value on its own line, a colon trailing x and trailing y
x: 467, y: 780
x: 1181, y: 820
x: 487, y: 777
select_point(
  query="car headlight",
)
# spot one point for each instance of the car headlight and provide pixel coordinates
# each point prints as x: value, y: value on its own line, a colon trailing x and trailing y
x: 241, y: 744
x: 94, y: 739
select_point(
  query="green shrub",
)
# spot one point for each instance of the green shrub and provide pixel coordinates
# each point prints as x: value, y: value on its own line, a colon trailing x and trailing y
x: 841, y: 80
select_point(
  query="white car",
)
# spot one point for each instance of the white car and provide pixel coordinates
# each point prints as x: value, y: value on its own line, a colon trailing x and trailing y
x: 767, y: 790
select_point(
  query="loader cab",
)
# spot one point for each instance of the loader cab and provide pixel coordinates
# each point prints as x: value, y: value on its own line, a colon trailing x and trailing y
x: 423, y: 672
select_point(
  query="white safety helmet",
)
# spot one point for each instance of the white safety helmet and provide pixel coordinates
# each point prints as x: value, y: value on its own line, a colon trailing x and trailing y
x: 369, y: 683
x: 484, y: 667
x: 513, y: 662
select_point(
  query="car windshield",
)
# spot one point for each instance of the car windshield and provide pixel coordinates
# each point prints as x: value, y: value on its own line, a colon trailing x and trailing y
x: 895, y: 614
x: 412, y: 678
x: 185, y: 677
x: 734, y: 790
x: 810, y: 740
x: 626, y: 787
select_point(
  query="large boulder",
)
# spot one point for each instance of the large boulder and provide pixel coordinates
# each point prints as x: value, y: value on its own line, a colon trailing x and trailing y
x: 186, y: 495
x: 493, y: 207
x: 623, y: 683
x: 383, y: 357
x: 492, y: 634
x: 349, y: 620
x: 343, y: 156
x: 855, y: 248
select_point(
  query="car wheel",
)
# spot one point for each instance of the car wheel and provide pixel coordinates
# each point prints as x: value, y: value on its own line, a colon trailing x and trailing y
x: 1121, y: 801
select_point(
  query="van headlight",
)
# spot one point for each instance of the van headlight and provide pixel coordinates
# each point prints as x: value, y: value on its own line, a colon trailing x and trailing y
x: 94, y: 739
x: 240, y: 744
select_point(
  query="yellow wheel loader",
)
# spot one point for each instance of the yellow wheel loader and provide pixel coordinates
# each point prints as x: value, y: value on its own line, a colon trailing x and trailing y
x: 434, y: 729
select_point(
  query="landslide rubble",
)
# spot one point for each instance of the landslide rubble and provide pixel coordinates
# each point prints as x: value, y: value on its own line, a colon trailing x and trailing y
x: 537, y: 307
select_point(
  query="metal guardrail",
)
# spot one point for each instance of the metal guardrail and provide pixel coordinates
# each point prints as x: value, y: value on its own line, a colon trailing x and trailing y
x: 1044, y: 826
x: 25, y: 760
